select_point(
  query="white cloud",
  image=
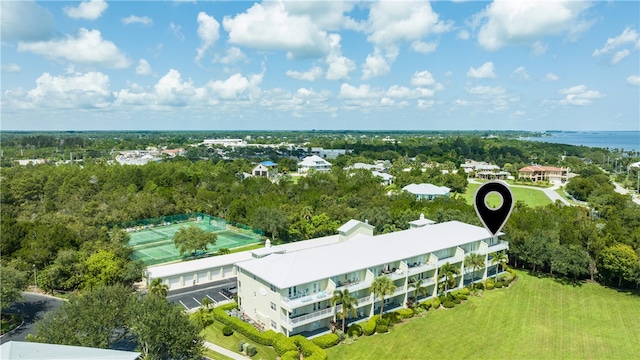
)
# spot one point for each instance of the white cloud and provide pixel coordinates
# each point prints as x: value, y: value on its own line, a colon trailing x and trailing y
x: 520, y: 74
x: 90, y: 90
x: 539, y: 48
x: 236, y: 86
x: 233, y: 55
x: 90, y: 10
x: 11, y: 68
x: 422, y: 78
x: 619, y: 55
x: 176, y: 30
x: 312, y: 75
x: 209, y: 33
x: 268, y: 26
x: 143, y: 67
x: 486, y: 91
x: 485, y: 71
x: 171, y: 90
x: 339, y: 66
x: 362, y: 92
x: 551, y: 77
x: 425, y: 104
x: 463, y: 35
x: 504, y: 23
x: 88, y: 47
x: 132, y: 19
x: 633, y: 80
x: 518, y: 113
x: 424, y: 47
x: 391, y: 22
x: 378, y: 64
x: 328, y: 15
x: 579, y: 95
x: 24, y: 21
x: 628, y: 36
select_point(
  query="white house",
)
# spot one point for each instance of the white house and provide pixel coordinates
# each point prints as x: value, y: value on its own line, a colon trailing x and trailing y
x: 313, y: 162
x: 290, y: 292
x: 266, y: 168
x: 427, y: 191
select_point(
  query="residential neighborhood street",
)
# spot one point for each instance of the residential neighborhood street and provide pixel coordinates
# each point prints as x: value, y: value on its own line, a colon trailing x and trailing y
x: 32, y: 309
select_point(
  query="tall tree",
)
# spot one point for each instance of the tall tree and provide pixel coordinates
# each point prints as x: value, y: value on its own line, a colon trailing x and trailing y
x: 158, y: 288
x: 447, y: 272
x: 618, y: 261
x: 191, y: 239
x: 11, y: 286
x: 476, y: 262
x: 418, y: 288
x: 349, y: 304
x: 381, y: 287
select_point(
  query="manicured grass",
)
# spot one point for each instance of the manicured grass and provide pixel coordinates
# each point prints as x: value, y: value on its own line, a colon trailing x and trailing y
x: 531, y: 197
x: 215, y: 356
x: 247, y: 247
x: 536, y: 318
x: 213, y: 334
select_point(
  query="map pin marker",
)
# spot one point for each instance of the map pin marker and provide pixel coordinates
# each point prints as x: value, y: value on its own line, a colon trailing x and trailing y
x: 493, y: 219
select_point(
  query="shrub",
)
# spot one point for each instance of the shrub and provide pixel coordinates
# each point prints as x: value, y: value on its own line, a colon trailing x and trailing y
x: 382, y: 329
x: 354, y: 330
x: 405, y: 313
x: 480, y: 286
x: 241, y: 345
x: 457, y: 301
x: 465, y: 291
x: 506, y: 278
x: 251, y: 350
x: 290, y: 355
x: 370, y: 326
x: 499, y: 284
x: 227, y: 330
x: 308, y: 349
x: 283, y: 344
x: 490, y: 285
x: 326, y: 341
x: 383, y: 321
x: 246, y: 329
x: 435, y: 303
x: 426, y: 305
x: 462, y: 297
x: 392, y: 318
x: 448, y: 304
x: 341, y: 335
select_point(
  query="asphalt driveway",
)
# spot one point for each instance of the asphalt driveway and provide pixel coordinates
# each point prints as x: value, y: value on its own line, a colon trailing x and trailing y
x: 32, y: 309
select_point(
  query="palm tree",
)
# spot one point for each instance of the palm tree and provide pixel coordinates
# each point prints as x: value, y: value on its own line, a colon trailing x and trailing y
x: 448, y: 273
x: 158, y: 288
x: 476, y: 262
x: 381, y: 287
x: 349, y: 304
x: 500, y: 260
x: 418, y: 288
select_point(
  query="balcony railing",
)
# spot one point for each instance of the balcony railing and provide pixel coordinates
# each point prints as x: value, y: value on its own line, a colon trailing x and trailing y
x: 314, y: 315
x: 298, y: 301
x: 500, y: 245
x: 422, y: 267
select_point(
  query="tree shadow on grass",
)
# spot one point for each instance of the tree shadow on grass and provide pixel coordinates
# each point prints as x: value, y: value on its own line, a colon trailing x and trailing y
x: 559, y: 279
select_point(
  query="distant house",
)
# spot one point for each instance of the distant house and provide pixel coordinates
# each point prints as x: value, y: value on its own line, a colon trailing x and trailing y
x: 173, y: 152
x: 327, y: 153
x: 31, y: 162
x: 387, y: 179
x: 544, y: 173
x: 266, y: 168
x: 427, y: 191
x: 376, y: 167
x: 313, y: 162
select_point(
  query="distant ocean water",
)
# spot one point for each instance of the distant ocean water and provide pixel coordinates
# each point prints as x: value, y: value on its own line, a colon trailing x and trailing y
x: 627, y: 140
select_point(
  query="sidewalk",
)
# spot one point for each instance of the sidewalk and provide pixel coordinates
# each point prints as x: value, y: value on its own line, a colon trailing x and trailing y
x: 223, y: 351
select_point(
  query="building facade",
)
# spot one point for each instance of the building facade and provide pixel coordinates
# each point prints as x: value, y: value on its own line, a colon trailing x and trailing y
x: 544, y: 173
x: 290, y: 292
x: 314, y: 162
x: 427, y: 191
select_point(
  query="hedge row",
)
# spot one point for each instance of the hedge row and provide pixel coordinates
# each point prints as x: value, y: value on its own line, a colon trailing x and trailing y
x: 326, y: 341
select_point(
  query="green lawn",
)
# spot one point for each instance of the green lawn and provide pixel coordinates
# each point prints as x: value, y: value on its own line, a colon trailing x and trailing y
x: 533, y: 319
x: 213, y: 334
x: 531, y: 197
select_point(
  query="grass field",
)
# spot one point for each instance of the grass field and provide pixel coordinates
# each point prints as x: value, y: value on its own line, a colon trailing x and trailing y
x: 536, y: 318
x: 213, y: 334
x: 531, y: 197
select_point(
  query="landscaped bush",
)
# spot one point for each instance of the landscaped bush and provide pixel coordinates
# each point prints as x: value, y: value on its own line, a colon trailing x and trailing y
x: 244, y: 328
x: 227, y: 330
x: 435, y: 303
x: 506, y: 278
x: 462, y: 297
x: 405, y: 313
x: 426, y: 305
x: 382, y: 329
x: 491, y: 285
x: 251, y: 350
x: 283, y: 344
x: 370, y: 326
x: 309, y: 349
x: 326, y: 341
x: 480, y: 286
x: 354, y: 330
x: 392, y: 318
x: 448, y: 304
x: 290, y: 355
x: 241, y: 345
x: 457, y: 301
x: 498, y: 284
x: 383, y: 321
x: 341, y: 335
x: 464, y: 291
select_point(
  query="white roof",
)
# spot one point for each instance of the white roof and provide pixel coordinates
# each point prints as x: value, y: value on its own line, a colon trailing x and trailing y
x: 426, y: 189
x: 39, y: 351
x: 313, y: 161
x: 360, y: 252
x: 384, y: 176
x: 187, y: 267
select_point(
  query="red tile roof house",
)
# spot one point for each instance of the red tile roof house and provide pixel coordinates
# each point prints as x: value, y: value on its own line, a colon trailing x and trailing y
x: 544, y: 173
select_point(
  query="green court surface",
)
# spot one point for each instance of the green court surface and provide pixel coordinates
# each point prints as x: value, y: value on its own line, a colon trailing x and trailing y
x: 154, y: 244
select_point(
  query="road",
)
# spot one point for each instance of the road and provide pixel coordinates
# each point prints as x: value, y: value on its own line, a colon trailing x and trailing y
x: 32, y: 309
x: 620, y: 190
x: 191, y: 296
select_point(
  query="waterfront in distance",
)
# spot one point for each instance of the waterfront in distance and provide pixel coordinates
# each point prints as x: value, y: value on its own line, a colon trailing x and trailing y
x: 627, y: 140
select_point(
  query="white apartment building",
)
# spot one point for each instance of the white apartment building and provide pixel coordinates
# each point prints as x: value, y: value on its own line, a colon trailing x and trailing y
x: 290, y: 292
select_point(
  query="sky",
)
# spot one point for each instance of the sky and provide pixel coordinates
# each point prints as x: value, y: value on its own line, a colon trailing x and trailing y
x: 324, y: 65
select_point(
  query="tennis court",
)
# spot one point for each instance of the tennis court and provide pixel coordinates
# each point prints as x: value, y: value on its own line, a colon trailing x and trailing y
x: 153, y: 243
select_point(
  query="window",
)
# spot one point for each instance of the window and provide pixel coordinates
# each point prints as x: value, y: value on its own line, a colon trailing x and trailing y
x: 273, y: 288
x: 274, y: 325
x: 273, y: 306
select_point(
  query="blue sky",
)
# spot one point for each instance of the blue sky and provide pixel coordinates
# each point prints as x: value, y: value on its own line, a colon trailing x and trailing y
x: 273, y: 65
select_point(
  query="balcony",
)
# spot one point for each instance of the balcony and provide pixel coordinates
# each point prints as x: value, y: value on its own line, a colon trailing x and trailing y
x: 420, y: 267
x: 500, y: 245
x: 354, y: 285
x: 300, y: 300
x: 307, y: 318
x: 458, y: 257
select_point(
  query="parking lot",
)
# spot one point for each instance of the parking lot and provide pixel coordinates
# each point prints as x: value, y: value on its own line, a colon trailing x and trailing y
x: 191, y: 296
